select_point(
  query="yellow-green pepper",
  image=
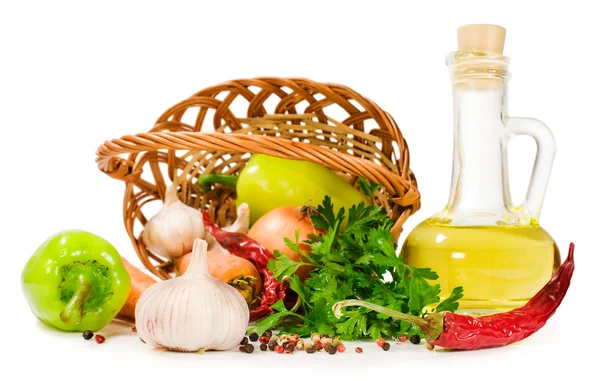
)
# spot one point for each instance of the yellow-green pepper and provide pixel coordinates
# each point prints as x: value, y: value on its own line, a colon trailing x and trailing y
x: 268, y: 182
x: 75, y: 281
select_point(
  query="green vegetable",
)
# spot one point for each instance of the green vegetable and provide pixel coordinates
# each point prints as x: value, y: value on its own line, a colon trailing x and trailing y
x: 75, y: 281
x: 267, y: 183
x: 357, y: 263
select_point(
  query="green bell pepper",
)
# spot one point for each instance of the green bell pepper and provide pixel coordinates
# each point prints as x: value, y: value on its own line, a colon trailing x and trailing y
x: 268, y: 182
x: 75, y: 281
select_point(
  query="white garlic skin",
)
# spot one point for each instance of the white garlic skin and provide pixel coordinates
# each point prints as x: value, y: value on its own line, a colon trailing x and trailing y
x: 193, y: 312
x: 171, y: 232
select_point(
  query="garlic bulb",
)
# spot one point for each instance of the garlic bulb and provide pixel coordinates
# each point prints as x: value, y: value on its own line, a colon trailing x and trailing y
x: 193, y: 312
x: 171, y: 232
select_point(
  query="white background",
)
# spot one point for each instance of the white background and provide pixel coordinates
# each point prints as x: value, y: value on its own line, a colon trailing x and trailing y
x: 73, y: 74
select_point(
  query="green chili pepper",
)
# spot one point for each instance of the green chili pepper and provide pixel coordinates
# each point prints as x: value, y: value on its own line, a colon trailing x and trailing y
x: 75, y: 281
x: 267, y: 183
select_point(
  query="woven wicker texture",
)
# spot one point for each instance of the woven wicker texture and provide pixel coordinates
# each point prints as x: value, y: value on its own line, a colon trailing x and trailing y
x: 293, y: 118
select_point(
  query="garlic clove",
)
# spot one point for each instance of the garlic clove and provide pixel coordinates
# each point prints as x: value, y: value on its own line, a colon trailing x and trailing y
x: 171, y: 232
x: 242, y: 222
x: 193, y: 312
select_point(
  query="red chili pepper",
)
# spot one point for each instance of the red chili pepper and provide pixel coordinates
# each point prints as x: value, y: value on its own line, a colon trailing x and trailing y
x: 241, y: 245
x: 450, y: 330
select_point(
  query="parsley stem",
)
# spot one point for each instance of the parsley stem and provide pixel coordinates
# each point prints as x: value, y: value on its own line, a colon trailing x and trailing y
x: 337, y: 311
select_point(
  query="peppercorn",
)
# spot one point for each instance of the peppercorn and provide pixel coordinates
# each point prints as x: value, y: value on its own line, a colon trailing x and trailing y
x: 283, y: 337
x: 319, y: 345
x: 272, y: 345
x: 324, y: 336
x: 415, y: 339
x: 332, y: 350
x: 386, y: 346
x: 430, y: 346
x: 337, y: 342
x: 358, y: 350
x: 244, y: 341
x: 327, y: 340
x: 279, y: 349
x: 242, y: 349
x: 87, y: 334
x: 253, y: 336
x: 380, y: 341
x: 289, y: 347
x: 134, y: 329
x: 340, y: 348
x: 402, y: 338
x: 274, y: 338
x: 263, y: 347
x: 295, y: 336
x: 315, y: 337
x: 300, y: 345
x: 99, y: 339
x: 268, y: 333
x: 311, y: 350
x: 264, y: 340
x: 249, y: 348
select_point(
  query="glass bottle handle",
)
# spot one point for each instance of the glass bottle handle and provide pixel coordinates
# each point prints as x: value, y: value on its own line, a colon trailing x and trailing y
x: 546, y: 149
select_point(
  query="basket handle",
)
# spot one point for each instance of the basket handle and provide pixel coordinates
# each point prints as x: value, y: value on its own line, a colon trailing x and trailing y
x: 404, y: 192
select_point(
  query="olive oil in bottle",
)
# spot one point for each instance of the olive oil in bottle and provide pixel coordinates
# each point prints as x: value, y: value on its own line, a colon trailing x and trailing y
x: 499, y: 267
x: 495, y: 250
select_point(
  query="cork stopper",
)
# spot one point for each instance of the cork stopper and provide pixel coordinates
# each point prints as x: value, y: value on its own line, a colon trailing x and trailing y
x: 481, y: 38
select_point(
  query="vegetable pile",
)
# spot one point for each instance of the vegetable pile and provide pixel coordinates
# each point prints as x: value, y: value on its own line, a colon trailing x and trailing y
x: 358, y: 262
x: 328, y: 273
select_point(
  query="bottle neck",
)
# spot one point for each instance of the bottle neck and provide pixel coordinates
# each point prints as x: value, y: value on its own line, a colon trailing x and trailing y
x: 479, y: 192
x: 477, y: 181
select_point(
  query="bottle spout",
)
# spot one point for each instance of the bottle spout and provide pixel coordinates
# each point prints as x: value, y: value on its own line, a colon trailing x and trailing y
x: 481, y: 38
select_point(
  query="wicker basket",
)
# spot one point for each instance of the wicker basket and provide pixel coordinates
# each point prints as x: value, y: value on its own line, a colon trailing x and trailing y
x: 292, y: 118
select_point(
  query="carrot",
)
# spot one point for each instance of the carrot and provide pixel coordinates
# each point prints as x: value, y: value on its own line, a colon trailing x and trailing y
x: 236, y: 271
x: 140, y: 281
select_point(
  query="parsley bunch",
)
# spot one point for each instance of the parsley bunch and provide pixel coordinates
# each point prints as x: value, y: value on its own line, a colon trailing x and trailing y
x: 358, y: 262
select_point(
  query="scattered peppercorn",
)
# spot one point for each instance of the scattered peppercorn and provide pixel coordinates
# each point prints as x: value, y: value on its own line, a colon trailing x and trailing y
x: 315, y: 337
x: 327, y: 340
x: 332, y: 351
x: 319, y: 344
x: 249, y: 348
x: 415, y: 339
x: 268, y: 333
x: 253, y: 336
x: 100, y: 339
x: 289, y: 347
x: 279, y: 349
x: 263, y: 347
x: 311, y: 349
x: 324, y: 336
x: 264, y: 340
x: 272, y: 345
x: 300, y: 345
x: 328, y: 347
x: 402, y: 338
x: 87, y: 334
x: 341, y: 348
x: 430, y: 346
x: 380, y: 341
x: 134, y: 329
x: 358, y: 350
x: 386, y: 346
x: 273, y: 338
x: 242, y: 349
x: 244, y: 341
x: 293, y: 342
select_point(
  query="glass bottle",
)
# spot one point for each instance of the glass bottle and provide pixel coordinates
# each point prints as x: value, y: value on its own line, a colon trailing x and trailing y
x: 495, y: 250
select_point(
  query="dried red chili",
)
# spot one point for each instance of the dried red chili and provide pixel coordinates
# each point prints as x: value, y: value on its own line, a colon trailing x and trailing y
x: 241, y: 245
x: 450, y: 330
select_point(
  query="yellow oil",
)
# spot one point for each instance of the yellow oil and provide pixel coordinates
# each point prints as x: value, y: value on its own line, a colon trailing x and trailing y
x: 500, y: 267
